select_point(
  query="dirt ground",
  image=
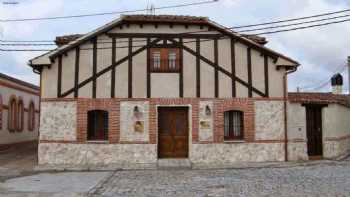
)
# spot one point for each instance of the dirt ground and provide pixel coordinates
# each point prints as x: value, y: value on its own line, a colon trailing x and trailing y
x: 18, y: 161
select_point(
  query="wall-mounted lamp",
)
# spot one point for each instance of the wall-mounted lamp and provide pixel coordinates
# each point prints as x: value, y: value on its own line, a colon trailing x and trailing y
x: 207, y: 110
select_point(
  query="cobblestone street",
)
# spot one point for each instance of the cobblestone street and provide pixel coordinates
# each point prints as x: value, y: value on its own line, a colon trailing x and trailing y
x: 320, y: 180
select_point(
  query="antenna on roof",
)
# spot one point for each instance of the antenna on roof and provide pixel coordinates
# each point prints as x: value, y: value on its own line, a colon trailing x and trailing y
x: 151, y: 9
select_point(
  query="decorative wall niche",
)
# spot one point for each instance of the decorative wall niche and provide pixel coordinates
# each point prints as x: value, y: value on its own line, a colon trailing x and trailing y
x: 205, y: 121
x: 134, y: 124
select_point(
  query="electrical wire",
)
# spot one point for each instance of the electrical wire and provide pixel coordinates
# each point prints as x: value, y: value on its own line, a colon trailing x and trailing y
x: 106, y: 13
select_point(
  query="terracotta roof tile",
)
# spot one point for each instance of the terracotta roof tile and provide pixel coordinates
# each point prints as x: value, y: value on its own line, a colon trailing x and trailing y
x: 319, y: 98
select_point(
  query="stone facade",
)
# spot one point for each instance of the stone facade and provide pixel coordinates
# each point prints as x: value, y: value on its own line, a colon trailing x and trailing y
x: 134, y: 121
x: 205, y: 121
x: 231, y: 153
x: 269, y: 120
x: 336, y: 148
x: 297, y: 151
x: 130, y: 144
x: 120, y: 155
x: 58, y: 121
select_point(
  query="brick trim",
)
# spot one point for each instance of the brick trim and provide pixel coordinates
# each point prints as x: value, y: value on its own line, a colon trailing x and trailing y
x: 337, y: 138
x: 112, y: 105
x: 109, y: 105
x: 240, y: 104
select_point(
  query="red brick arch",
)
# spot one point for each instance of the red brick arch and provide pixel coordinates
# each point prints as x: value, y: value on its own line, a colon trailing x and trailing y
x: 31, y: 116
x: 20, y: 115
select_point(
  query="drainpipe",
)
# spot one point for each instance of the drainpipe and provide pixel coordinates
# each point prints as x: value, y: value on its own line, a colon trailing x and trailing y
x: 285, y: 100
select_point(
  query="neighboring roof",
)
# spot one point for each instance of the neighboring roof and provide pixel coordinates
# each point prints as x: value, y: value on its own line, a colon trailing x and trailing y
x: 63, y: 40
x: 168, y: 19
x: 319, y: 98
x: 20, y: 82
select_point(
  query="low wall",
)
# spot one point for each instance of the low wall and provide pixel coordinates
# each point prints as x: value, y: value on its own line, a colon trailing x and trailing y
x: 118, y: 155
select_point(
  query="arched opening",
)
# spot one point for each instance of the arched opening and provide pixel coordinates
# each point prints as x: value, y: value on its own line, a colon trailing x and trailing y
x: 31, y: 116
x: 20, y: 115
x: 0, y: 111
x: 12, y: 114
x: 97, y: 125
x: 233, y: 125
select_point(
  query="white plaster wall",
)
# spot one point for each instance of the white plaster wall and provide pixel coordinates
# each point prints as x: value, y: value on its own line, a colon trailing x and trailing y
x: 296, y: 115
x: 58, y: 121
x: 165, y: 85
x: 336, y: 125
x: 269, y: 120
x: 5, y: 136
x: 68, y: 71
x: 336, y: 121
x: 139, y: 64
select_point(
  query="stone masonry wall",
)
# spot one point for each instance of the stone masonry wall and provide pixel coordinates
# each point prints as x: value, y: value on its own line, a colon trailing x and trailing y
x: 58, y: 121
x: 205, y: 121
x: 134, y: 125
x: 269, y: 120
x: 119, y: 155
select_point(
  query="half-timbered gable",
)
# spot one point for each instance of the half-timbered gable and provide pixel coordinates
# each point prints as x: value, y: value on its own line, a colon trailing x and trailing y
x: 116, y: 61
x: 144, y: 88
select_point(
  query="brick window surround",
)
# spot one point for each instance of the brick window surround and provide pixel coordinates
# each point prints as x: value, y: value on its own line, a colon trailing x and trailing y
x: 240, y: 104
x: 20, y: 115
x: 12, y: 113
x: 31, y: 116
x: 109, y: 105
x: 112, y: 106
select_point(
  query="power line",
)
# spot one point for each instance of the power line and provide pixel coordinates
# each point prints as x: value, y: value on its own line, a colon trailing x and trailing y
x: 263, y: 33
x: 293, y: 19
x: 230, y: 28
x: 294, y: 24
x: 108, y: 13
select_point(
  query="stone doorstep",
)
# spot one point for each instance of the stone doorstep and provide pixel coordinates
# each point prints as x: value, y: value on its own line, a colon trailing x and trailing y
x: 174, y: 163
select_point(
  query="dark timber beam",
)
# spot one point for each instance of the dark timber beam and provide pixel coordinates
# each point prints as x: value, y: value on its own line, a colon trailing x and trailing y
x: 216, y: 61
x: 107, y: 69
x: 76, y: 71
x: 130, y: 69
x: 94, y: 67
x: 181, y: 59
x: 163, y: 35
x: 148, y: 69
x: 113, y: 69
x: 266, y: 73
x: 233, y: 67
x: 59, y: 76
x: 198, y: 67
x: 221, y: 69
x: 249, y: 68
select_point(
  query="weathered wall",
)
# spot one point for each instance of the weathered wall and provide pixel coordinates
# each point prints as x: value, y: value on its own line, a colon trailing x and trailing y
x: 117, y: 155
x: 49, y: 75
x: 269, y: 120
x: 227, y: 154
x: 134, y: 126
x: 6, y: 91
x: 336, y: 130
x: 58, y: 121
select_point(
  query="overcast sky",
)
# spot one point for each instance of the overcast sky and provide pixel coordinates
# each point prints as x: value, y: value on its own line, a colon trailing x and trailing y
x: 321, y: 51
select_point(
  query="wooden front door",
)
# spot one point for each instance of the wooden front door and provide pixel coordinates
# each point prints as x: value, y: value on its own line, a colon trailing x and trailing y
x: 173, y: 132
x: 314, y: 130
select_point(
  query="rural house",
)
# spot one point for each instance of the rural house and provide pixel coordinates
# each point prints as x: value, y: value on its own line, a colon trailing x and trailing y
x: 144, y: 88
x: 19, y: 112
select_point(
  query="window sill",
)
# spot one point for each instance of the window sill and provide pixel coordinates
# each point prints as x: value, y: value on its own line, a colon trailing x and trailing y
x: 97, y: 142
x: 234, y: 141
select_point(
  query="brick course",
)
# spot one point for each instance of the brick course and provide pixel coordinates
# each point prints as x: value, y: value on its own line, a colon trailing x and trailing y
x: 112, y: 106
